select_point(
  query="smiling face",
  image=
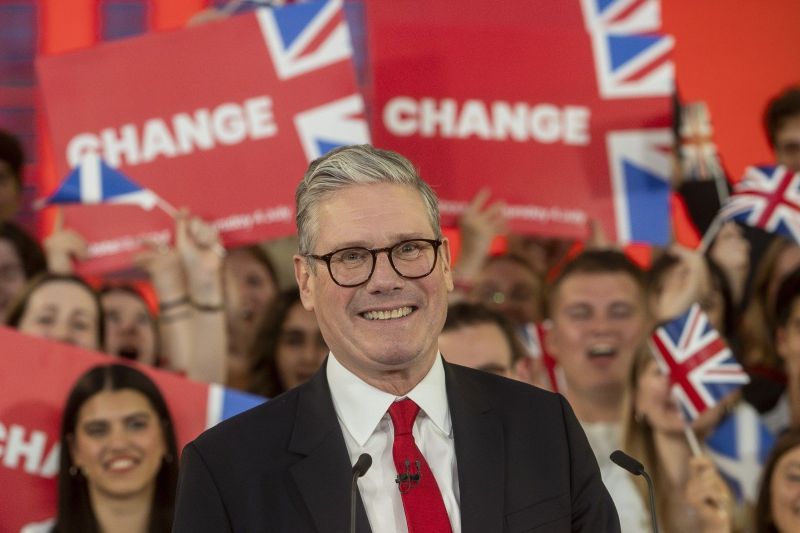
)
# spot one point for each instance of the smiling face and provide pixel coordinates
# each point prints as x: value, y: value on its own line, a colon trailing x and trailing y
x: 385, y: 331
x: 598, y: 320
x: 118, y: 444
x: 785, y: 489
x: 63, y: 311
x: 130, y: 331
x: 301, y: 348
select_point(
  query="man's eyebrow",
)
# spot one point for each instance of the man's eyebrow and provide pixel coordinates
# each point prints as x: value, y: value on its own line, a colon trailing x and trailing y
x: 393, y: 240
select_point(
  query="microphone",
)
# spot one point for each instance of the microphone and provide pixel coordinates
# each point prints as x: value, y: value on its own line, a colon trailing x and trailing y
x: 407, y: 479
x: 359, y: 469
x: 636, y: 468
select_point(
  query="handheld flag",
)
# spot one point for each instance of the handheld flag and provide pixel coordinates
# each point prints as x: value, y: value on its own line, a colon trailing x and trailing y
x: 700, y: 366
x: 767, y: 198
x: 93, y: 181
x: 739, y: 446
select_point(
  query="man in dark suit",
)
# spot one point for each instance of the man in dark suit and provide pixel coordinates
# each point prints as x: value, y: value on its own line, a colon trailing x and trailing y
x: 453, y: 449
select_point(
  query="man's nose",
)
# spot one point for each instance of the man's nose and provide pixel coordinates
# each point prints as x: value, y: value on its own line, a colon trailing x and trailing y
x: 384, y: 276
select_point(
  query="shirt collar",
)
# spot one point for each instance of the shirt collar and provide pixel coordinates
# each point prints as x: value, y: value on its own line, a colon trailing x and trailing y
x: 361, y: 406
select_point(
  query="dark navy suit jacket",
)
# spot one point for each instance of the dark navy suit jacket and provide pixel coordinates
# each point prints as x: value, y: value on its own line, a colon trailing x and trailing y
x: 524, y: 464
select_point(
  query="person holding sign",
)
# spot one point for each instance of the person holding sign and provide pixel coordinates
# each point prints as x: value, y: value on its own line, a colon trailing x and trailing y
x: 453, y: 449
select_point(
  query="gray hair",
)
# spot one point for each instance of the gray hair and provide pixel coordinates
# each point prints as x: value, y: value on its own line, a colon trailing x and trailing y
x: 355, y: 165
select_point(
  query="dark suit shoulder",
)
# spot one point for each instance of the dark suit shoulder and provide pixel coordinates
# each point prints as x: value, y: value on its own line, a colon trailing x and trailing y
x: 501, y: 390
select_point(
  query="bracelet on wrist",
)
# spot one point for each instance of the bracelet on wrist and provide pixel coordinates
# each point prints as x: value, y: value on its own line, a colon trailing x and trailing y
x: 205, y: 308
x: 172, y: 304
x: 174, y: 317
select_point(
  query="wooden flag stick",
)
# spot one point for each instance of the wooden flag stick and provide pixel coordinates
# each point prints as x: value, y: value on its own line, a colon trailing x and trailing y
x: 691, y: 438
x: 167, y: 207
x: 710, y: 234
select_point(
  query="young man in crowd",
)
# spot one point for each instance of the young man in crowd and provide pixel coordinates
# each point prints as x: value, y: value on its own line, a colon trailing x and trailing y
x: 597, y: 308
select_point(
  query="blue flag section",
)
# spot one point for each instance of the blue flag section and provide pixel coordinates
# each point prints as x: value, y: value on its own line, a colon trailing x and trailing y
x: 93, y: 181
x: 739, y: 446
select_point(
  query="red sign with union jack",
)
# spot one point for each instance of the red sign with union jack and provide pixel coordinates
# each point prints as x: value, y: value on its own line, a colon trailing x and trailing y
x: 222, y: 118
x: 562, y: 108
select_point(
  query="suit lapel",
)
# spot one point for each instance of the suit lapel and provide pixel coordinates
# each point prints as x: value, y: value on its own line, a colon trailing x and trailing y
x: 478, y: 434
x: 323, y: 476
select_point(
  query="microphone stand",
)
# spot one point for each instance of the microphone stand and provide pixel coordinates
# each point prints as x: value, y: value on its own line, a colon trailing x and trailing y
x: 359, y: 469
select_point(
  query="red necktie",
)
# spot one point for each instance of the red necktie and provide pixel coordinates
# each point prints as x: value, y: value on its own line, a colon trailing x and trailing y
x: 422, y: 500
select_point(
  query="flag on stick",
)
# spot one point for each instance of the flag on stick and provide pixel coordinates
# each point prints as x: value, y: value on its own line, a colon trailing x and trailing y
x: 767, y: 198
x: 93, y: 181
x: 701, y: 368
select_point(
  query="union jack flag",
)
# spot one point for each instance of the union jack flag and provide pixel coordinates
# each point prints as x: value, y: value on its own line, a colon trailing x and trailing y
x: 631, y: 58
x: 640, y: 162
x: 305, y: 37
x: 700, y: 366
x: 767, y: 198
x: 338, y: 123
x: 623, y: 16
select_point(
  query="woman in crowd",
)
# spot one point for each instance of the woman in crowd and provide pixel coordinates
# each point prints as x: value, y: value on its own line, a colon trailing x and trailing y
x: 21, y: 258
x: 59, y: 307
x: 288, y: 347
x: 776, y: 511
x: 118, y: 469
x: 250, y: 289
x: 131, y: 330
x: 690, y: 494
x: 758, y: 349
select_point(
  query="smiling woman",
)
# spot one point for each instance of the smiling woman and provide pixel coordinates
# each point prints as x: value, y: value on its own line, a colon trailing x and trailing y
x: 59, y: 307
x: 118, y: 469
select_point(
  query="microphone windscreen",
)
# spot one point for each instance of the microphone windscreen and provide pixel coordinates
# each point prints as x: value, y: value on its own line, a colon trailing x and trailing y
x: 363, y: 464
x: 627, y: 462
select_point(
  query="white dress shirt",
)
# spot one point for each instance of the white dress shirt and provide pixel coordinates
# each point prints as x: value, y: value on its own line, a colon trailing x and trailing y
x: 604, y: 438
x: 367, y: 428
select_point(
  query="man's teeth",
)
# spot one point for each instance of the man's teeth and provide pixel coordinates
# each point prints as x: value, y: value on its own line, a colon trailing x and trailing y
x: 121, y: 464
x: 386, y: 315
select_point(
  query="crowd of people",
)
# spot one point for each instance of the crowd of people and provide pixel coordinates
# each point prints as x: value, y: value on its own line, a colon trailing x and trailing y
x: 586, y: 307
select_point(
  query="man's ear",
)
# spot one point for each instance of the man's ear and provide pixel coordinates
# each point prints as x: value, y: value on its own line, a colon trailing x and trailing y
x: 305, y: 281
x: 444, y: 250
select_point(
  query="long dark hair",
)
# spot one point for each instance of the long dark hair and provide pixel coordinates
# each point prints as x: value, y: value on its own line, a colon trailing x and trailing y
x: 75, y: 513
x: 265, y: 379
x: 764, y: 522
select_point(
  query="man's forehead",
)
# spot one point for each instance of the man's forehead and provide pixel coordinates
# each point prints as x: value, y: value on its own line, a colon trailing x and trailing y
x: 357, y: 214
x: 599, y: 286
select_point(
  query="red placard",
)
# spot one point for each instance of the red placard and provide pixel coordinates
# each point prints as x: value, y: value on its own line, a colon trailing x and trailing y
x: 562, y: 109
x: 35, y: 378
x: 222, y: 118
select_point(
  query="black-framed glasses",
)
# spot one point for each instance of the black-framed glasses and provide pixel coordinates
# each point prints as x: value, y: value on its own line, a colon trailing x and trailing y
x: 411, y: 259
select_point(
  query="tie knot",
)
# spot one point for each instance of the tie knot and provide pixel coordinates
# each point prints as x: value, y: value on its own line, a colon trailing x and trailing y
x: 403, y: 414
